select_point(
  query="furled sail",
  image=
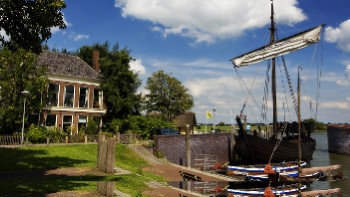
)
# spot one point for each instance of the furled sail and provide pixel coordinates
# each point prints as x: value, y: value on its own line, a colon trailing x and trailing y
x: 281, y: 47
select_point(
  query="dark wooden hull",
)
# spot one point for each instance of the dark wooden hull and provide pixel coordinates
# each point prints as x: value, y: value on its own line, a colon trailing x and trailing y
x: 258, y: 150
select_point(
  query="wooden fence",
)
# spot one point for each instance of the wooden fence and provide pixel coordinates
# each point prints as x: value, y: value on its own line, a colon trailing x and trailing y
x: 10, y: 139
x: 121, y: 138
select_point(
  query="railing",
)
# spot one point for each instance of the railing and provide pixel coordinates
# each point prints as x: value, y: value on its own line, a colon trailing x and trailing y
x: 205, y: 162
x: 127, y: 138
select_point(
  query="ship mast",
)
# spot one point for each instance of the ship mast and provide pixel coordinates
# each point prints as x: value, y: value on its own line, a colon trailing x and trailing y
x: 273, y: 75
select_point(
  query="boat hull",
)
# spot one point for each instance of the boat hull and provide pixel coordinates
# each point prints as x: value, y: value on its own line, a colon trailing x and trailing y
x: 255, y: 149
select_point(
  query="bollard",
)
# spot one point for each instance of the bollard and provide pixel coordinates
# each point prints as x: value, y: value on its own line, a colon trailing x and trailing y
x: 66, y: 139
x: 47, y: 141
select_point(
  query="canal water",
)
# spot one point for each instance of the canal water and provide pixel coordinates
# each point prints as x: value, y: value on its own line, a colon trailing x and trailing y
x: 322, y: 157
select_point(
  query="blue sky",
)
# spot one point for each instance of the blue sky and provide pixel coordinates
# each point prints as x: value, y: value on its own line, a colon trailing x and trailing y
x: 193, y: 40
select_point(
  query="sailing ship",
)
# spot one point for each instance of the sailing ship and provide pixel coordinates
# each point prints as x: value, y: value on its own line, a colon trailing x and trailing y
x: 254, y: 148
x: 291, y: 148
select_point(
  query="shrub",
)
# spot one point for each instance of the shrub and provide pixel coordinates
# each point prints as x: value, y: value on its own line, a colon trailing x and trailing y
x: 36, y: 134
x: 55, y: 134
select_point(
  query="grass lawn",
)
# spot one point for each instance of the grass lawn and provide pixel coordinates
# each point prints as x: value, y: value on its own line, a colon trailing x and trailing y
x: 22, y: 170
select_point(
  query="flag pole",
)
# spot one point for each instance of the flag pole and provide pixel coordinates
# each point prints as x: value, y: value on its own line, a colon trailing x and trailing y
x: 206, y: 121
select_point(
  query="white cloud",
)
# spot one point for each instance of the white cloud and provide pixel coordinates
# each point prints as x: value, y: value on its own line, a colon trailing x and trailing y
x: 341, y: 79
x: 137, y: 67
x: 79, y: 37
x: 336, y: 105
x: 56, y: 29
x: 3, y: 33
x: 209, y: 20
x: 339, y: 35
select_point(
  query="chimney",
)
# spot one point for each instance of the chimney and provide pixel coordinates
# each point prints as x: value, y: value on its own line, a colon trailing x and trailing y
x: 95, y: 59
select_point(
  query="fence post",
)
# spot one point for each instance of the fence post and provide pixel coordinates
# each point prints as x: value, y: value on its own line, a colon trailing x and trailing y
x: 66, y: 139
x: 47, y: 141
x: 86, y: 139
x: 118, y: 137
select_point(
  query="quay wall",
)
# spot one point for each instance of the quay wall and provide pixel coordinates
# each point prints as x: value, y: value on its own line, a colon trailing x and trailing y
x: 339, y: 138
x: 172, y: 147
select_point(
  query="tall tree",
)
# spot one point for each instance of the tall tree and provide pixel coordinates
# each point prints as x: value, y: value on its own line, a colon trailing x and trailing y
x: 28, y: 23
x: 167, y: 96
x: 18, y: 72
x: 119, y: 84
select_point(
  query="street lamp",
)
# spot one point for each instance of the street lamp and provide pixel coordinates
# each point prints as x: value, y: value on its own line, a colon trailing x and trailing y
x: 24, y: 94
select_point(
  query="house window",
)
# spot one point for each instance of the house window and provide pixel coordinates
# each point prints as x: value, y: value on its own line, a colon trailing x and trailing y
x: 52, y: 94
x: 82, y: 122
x: 68, y: 96
x: 97, y: 98
x: 83, y: 97
x: 50, y: 120
x: 67, y: 124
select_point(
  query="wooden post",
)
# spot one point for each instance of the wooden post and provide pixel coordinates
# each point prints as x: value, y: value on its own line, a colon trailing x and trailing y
x: 101, y: 157
x: 47, y: 141
x: 118, y: 137
x: 232, y: 147
x: 110, y: 157
x: 106, y: 188
x: 106, y: 153
x: 86, y: 139
x: 188, y: 146
x: 66, y: 139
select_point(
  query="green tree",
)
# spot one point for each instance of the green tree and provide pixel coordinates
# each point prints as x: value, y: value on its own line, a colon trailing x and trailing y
x: 167, y: 96
x: 28, y: 23
x: 119, y: 84
x: 18, y: 72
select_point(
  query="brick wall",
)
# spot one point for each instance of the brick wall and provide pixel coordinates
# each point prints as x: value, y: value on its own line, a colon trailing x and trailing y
x: 172, y: 147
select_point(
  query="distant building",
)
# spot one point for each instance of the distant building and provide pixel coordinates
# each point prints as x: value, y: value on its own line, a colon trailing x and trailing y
x: 73, y: 94
x: 187, y: 118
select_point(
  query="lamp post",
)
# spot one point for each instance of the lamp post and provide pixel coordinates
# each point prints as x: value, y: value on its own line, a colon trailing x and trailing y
x: 24, y: 94
x: 214, y: 110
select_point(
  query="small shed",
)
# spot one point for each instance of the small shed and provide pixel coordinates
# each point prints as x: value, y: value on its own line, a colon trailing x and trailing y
x: 187, y: 118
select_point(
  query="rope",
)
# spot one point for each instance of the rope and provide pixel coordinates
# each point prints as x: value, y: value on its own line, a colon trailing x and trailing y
x: 244, y: 86
x: 295, y: 102
x: 278, y: 142
x: 266, y: 92
x: 285, y: 94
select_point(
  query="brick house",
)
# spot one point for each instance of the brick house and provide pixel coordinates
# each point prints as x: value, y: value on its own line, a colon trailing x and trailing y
x: 73, y: 95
